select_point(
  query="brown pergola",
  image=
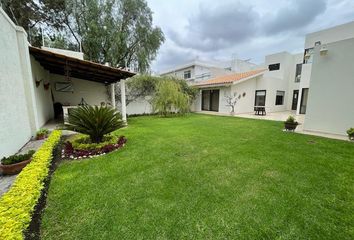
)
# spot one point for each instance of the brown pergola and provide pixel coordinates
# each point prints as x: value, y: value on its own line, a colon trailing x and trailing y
x: 83, y: 69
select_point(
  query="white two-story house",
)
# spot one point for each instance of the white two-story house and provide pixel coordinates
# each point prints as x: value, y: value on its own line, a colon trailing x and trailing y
x: 197, y: 70
x: 318, y: 83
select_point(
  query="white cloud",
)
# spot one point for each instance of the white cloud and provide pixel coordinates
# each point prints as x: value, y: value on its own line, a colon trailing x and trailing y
x: 211, y: 29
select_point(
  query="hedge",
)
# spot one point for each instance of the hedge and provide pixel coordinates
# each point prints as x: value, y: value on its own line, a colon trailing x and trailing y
x: 17, y: 205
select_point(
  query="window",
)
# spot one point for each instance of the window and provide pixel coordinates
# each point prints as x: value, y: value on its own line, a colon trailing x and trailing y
x: 260, y: 98
x: 308, y: 55
x: 279, y: 99
x: 274, y: 67
x: 304, y: 96
x: 298, y: 72
x: 187, y: 74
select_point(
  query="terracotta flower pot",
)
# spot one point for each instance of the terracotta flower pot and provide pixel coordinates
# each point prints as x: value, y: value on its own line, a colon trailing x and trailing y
x: 15, y: 168
x: 40, y: 137
x: 290, y: 126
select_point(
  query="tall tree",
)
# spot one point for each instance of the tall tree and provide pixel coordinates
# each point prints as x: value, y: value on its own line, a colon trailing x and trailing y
x: 25, y: 13
x: 120, y: 32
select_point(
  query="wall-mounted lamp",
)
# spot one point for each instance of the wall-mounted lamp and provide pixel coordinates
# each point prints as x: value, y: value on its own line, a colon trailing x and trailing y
x: 323, y: 51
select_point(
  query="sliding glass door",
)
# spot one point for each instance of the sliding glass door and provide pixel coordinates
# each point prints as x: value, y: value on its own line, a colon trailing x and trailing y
x: 210, y: 100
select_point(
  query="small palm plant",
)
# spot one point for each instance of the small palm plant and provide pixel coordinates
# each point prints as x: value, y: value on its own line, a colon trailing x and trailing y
x: 94, y: 121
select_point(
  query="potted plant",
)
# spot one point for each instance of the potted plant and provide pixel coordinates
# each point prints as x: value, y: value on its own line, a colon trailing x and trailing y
x: 15, y: 163
x: 42, y: 133
x: 350, y: 133
x: 290, y: 124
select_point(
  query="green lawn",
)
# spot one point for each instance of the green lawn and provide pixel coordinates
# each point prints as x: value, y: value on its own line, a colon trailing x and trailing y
x: 206, y: 177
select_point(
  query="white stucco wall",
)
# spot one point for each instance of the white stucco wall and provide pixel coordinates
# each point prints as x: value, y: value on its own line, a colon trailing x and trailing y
x: 279, y: 80
x: 140, y: 106
x: 330, y: 104
x: 246, y: 103
x: 293, y: 85
x: 78, y: 55
x: 92, y: 92
x: 329, y: 35
x: 15, y: 128
x: 43, y: 97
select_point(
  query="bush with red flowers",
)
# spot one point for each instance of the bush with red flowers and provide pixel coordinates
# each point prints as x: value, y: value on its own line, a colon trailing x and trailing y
x: 75, y: 153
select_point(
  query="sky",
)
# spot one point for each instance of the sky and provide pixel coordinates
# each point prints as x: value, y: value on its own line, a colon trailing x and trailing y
x: 218, y: 30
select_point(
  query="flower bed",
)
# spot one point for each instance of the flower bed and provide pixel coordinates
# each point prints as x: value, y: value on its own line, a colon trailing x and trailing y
x: 78, y: 148
x: 17, y: 205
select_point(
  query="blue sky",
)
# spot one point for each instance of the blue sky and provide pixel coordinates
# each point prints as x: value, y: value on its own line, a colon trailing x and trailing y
x: 216, y: 30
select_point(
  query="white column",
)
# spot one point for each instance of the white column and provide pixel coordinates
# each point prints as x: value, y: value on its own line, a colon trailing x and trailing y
x: 124, y: 107
x: 113, y: 96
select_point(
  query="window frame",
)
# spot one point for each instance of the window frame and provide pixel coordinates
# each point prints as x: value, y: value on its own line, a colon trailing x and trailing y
x: 310, y: 52
x: 265, y: 97
x: 277, y: 103
x: 296, y: 72
x: 274, y: 67
x: 188, y: 73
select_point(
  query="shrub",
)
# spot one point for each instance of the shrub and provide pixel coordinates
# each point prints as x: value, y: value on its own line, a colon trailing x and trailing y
x: 70, y: 151
x: 170, y: 98
x: 84, y: 142
x: 350, y: 131
x: 17, y: 205
x: 290, y: 119
x: 17, y: 158
x: 94, y: 121
x: 42, y: 133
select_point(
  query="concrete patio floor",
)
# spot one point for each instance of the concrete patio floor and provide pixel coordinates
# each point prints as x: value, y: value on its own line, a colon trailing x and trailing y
x: 282, y: 116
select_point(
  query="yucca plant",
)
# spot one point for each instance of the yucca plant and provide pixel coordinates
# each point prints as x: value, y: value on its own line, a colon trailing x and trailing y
x: 93, y: 121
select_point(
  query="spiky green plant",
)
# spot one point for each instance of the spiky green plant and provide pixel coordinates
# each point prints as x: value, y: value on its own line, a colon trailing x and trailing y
x: 93, y: 121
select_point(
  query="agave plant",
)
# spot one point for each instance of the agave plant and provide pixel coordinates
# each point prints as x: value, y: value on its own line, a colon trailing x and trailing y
x: 93, y: 121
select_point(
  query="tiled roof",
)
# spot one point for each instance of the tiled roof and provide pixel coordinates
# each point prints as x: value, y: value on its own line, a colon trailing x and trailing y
x: 230, y: 78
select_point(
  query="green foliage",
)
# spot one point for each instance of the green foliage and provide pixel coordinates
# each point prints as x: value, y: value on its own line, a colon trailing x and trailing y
x: 94, y: 121
x: 23, y: 13
x: 33, y: 15
x: 17, y: 205
x: 117, y: 31
x: 350, y: 131
x: 42, y: 132
x: 170, y: 98
x: 235, y: 178
x: 290, y: 119
x: 185, y: 88
x: 83, y: 142
x: 141, y: 86
x: 17, y: 158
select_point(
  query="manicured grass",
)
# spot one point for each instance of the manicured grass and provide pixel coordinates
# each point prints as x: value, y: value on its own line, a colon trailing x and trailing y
x: 206, y: 177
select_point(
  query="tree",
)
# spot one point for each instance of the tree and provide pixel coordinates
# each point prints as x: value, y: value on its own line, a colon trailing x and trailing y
x: 33, y: 15
x: 25, y: 13
x: 232, y: 100
x: 142, y: 86
x: 120, y: 32
x: 169, y: 98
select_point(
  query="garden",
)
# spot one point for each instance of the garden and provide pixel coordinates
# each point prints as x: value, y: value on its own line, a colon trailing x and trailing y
x: 206, y: 177
x: 178, y: 175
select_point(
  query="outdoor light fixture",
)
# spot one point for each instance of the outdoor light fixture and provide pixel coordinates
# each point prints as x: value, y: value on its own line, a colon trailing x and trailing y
x: 323, y: 51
